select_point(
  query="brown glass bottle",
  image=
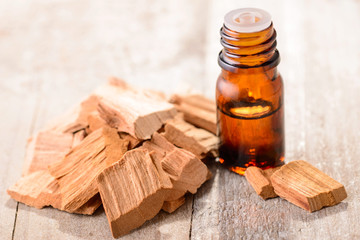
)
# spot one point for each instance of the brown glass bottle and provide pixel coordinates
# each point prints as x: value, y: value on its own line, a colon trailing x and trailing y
x: 250, y: 102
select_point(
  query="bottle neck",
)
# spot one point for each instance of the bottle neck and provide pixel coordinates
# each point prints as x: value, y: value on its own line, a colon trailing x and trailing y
x: 245, y: 51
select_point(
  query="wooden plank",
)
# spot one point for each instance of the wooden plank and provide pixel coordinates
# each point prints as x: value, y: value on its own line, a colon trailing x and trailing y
x: 15, y: 125
x: 321, y: 117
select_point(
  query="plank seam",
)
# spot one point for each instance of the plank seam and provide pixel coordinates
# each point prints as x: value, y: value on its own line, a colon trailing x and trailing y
x: 31, y: 132
x: 16, y: 212
x: 192, y: 214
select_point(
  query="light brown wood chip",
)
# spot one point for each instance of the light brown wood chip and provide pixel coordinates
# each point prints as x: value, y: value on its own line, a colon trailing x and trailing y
x: 260, y: 180
x: 139, y: 115
x: 40, y: 189
x: 171, y: 206
x: 76, y: 119
x: 185, y: 170
x: 195, y: 100
x: 95, y: 122
x: 132, y: 191
x: 200, y: 142
x: 78, y: 137
x: 306, y: 186
x: 46, y: 148
x: 77, y: 172
x: 198, y: 111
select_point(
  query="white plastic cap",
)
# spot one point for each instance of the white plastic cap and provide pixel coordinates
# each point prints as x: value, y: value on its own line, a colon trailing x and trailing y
x: 247, y: 20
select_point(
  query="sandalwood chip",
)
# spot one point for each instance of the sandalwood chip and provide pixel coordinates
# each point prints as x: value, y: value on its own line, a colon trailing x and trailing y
x: 78, y: 137
x: 133, y: 113
x: 40, y: 189
x: 76, y: 119
x: 185, y: 170
x: 77, y: 172
x: 95, y: 122
x: 195, y: 100
x: 306, y: 186
x: 131, y: 191
x: 46, y: 148
x: 260, y: 180
x: 197, y: 110
x: 200, y: 142
x: 171, y: 206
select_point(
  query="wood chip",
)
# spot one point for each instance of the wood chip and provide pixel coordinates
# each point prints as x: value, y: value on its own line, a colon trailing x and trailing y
x: 195, y: 100
x: 90, y: 206
x: 139, y: 115
x: 77, y: 172
x: 186, y: 171
x: 306, y: 186
x: 46, y: 148
x: 76, y: 119
x: 78, y: 137
x: 133, y: 142
x: 198, y: 111
x: 200, y: 142
x: 95, y: 122
x: 171, y: 206
x: 131, y: 191
x: 260, y: 180
x: 40, y: 189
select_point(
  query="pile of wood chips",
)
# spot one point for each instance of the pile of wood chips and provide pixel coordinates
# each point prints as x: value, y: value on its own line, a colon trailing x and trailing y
x: 128, y: 149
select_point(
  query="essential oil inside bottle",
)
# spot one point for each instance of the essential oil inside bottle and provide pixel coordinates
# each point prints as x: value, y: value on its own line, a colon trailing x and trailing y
x: 249, y: 93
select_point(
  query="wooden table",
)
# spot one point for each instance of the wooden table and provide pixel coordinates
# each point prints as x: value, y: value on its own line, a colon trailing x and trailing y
x: 53, y: 53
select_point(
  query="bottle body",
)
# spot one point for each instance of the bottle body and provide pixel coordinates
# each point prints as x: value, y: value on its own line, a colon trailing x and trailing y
x: 250, y: 114
x: 249, y: 93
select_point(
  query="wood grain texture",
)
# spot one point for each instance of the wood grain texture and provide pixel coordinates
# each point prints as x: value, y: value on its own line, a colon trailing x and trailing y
x: 55, y: 53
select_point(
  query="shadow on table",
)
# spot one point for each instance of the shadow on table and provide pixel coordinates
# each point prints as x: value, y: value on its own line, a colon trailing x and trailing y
x: 96, y: 226
x: 11, y: 203
x: 300, y: 214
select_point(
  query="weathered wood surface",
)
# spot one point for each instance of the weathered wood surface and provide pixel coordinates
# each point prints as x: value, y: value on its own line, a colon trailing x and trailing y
x: 52, y: 54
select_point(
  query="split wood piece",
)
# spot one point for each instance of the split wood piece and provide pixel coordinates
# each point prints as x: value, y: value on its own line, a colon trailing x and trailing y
x: 133, y: 142
x: 185, y: 170
x: 260, y: 180
x: 306, y: 186
x: 132, y: 191
x: 77, y: 118
x: 40, y: 189
x: 199, y: 112
x: 95, y: 122
x: 78, y: 137
x: 172, y: 193
x: 46, y: 148
x: 195, y: 100
x: 171, y: 206
x: 196, y: 140
x: 77, y: 172
x: 136, y: 114
x: 90, y: 206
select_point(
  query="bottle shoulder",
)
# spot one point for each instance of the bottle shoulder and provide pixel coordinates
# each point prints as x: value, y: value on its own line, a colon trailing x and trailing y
x: 257, y: 85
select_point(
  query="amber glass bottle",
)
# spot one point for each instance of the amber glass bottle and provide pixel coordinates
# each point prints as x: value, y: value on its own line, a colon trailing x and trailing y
x: 249, y: 93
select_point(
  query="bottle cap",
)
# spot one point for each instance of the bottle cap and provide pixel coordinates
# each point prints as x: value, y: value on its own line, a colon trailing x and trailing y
x: 247, y: 20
